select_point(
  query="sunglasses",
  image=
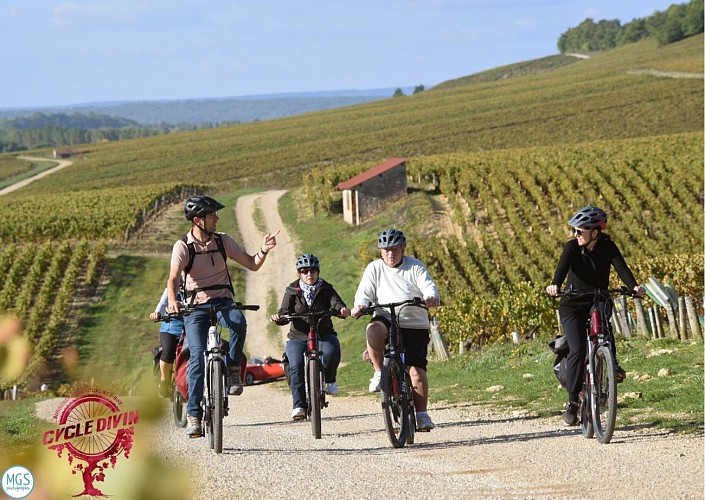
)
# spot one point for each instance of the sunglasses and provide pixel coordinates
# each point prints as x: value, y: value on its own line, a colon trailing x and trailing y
x: 308, y: 270
x: 581, y: 232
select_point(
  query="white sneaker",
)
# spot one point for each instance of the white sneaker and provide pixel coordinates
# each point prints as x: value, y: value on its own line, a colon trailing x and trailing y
x: 332, y: 388
x: 298, y: 414
x: 193, y: 428
x: 424, y: 422
x: 374, y: 382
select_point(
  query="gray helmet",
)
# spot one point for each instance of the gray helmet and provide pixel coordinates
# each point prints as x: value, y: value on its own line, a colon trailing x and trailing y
x: 391, y: 238
x: 589, y: 218
x: 307, y: 260
x: 199, y: 206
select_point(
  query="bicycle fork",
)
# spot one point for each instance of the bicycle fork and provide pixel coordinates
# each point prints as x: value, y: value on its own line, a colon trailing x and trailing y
x: 312, y: 353
x: 213, y: 355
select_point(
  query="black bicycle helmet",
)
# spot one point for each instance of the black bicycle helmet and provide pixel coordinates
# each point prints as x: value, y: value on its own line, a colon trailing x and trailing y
x: 589, y: 218
x: 391, y: 238
x: 199, y: 206
x: 307, y: 260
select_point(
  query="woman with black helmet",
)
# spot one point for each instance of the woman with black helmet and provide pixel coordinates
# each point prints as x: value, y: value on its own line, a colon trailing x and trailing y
x: 310, y: 293
x: 391, y: 278
x: 200, y: 260
x: 586, y: 262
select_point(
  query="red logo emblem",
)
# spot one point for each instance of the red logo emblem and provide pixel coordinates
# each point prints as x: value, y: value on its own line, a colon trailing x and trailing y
x: 94, y: 431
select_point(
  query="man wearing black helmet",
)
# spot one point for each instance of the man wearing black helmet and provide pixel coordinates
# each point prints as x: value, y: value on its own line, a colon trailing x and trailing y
x: 586, y: 262
x: 200, y: 258
x: 393, y: 278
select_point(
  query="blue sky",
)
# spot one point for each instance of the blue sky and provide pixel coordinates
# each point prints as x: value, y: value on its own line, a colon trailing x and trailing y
x: 69, y: 52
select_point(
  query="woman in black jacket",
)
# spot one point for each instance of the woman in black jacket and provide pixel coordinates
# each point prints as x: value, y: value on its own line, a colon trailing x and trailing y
x: 586, y: 262
x: 310, y: 293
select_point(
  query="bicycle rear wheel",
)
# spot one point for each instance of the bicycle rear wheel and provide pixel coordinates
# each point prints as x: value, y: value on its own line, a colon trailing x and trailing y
x: 604, y: 397
x: 585, y: 415
x: 394, y: 404
x: 313, y: 375
x: 178, y: 407
x: 411, y: 410
x: 217, y: 394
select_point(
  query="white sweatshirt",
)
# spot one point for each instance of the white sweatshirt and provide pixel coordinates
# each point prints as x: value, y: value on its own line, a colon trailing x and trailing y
x: 383, y: 284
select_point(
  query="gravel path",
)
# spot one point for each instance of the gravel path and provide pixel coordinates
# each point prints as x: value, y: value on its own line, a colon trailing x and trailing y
x: 471, y: 453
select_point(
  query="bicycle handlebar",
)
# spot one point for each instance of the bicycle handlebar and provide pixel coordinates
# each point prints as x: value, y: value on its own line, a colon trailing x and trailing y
x: 319, y: 315
x: 622, y: 290
x: 416, y: 301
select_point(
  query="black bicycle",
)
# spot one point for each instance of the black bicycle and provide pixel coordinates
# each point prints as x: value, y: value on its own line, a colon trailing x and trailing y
x: 395, y: 385
x: 215, y: 391
x: 598, y: 399
x: 315, y: 385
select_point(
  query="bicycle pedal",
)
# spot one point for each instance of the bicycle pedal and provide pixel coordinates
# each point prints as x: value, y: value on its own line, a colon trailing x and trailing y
x: 423, y: 430
x: 195, y: 436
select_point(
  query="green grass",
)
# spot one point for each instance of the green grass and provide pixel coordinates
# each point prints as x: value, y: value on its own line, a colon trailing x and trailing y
x: 116, y: 334
x: 20, y: 430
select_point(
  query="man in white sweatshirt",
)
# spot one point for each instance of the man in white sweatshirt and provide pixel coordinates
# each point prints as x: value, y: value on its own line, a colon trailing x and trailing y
x: 393, y: 278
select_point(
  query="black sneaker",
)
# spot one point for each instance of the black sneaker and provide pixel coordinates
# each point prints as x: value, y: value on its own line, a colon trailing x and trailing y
x: 234, y: 381
x: 619, y: 374
x: 571, y: 413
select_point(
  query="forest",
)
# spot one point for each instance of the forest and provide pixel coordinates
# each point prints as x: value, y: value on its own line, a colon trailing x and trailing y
x: 674, y: 24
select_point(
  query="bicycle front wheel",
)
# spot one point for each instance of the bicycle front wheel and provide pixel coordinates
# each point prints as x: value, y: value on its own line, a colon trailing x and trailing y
x: 217, y: 396
x: 604, y: 396
x: 313, y: 374
x: 394, y: 404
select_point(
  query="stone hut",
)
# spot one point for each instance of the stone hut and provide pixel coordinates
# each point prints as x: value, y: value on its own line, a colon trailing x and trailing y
x: 368, y: 192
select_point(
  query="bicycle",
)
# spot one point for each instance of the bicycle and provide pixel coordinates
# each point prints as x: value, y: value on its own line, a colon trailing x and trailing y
x: 395, y: 384
x: 598, y: 399
x: 179, y: 395
x: 315, y: 385
x: 215, y: 393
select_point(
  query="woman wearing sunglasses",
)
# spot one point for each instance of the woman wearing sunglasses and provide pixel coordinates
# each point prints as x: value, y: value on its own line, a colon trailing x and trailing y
x: 310, y: 293
x: 586, y: 262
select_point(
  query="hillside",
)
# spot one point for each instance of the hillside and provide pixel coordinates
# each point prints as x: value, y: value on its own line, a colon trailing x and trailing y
x: 589, y: 100
x: 493, y: 156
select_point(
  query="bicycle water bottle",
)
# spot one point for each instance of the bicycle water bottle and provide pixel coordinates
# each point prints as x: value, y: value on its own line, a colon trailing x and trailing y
x: 595, y: 325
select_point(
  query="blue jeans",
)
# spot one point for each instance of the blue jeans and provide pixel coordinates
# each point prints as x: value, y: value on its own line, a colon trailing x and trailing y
x: 330, y: 359
x: 196, y: 325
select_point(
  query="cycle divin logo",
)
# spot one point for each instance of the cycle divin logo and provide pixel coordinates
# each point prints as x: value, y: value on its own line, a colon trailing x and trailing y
x: 94, y: 430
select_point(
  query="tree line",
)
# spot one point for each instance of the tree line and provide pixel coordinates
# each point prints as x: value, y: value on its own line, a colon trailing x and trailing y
x: 675, y: 23
x: 40, y: 130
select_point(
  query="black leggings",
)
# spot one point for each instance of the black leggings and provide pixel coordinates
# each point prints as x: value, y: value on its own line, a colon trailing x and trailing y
x: 168, y: 343
x: 574, y: 326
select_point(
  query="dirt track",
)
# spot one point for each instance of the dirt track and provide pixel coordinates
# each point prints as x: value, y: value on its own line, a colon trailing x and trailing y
x: 276, y: 273
x: 14, y: 187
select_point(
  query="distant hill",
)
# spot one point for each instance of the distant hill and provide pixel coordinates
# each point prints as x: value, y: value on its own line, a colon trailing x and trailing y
x: 213, y: 111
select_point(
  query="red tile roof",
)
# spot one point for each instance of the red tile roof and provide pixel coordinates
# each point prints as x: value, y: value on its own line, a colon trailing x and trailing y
x: 371, y: 173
